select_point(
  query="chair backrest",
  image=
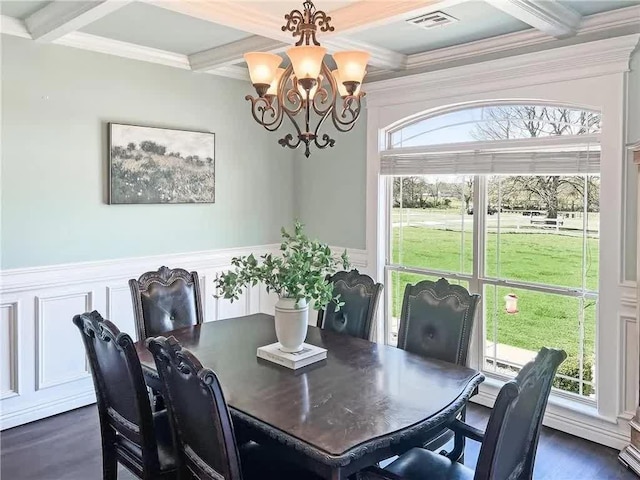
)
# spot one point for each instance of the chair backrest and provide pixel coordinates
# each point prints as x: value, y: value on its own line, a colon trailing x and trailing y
x: 201, y: 423
x: 511, y: 438
x: 123, y: 402
x: 165, y: 300
x: 436, y: 320
x: 360, y: 295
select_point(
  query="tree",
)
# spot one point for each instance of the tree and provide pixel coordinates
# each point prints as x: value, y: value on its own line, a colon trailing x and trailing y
x: 131, y: 146
x: 463, y: 189
x: 532, y: 121
x: 413, y: 190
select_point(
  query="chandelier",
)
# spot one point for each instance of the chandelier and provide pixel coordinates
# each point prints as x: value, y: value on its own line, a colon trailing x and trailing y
x: 307, y: 92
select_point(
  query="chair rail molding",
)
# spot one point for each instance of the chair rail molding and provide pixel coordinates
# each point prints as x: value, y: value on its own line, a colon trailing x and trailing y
x: 588, y: 75
x: 39, y: 375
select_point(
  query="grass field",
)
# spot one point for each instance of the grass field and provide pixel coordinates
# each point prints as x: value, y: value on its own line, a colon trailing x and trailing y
x: 549, y: 258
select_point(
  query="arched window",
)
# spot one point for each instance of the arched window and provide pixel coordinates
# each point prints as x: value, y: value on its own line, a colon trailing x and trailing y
x: 495, y: 122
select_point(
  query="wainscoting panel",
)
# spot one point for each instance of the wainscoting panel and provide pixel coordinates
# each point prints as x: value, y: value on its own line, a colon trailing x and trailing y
x: 630, y: 362
x: 60, y: 356
x: 8, y: 350
x: 43, y: 367
x: 119, y: 309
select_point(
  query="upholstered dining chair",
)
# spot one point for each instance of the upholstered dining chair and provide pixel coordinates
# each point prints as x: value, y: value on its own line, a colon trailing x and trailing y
x: 360, y: 295
x: 510, y: 441
x: 131, y: 434
x: 436, y: 322
x: 202, y: 426
x: 165, y: 300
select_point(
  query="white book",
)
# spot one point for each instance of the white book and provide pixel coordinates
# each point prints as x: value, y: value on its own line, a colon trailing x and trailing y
x: 308, y: 355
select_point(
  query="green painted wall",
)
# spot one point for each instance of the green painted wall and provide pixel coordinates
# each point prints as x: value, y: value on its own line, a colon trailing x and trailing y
x: 56, y: 102
x: 330, y: 188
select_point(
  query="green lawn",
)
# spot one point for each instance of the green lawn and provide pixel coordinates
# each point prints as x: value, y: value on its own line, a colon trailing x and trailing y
x: 549, y: 258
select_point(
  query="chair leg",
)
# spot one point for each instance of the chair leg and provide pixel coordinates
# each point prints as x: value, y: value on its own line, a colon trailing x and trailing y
x: 158, y: 402
x: 109, y: 459
x: 459, y: 441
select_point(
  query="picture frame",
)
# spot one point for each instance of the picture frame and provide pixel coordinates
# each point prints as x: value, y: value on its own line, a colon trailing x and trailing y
x: 158, y: 165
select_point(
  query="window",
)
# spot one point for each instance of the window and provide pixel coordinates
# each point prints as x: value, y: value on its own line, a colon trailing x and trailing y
x: 515, y: 219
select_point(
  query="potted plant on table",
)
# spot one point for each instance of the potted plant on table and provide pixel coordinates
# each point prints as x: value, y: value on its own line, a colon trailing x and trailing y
x: 297, y: 275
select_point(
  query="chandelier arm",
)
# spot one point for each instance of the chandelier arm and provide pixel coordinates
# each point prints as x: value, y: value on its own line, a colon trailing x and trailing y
x: 261, y: 107
x: 345, y: 120
x: 286, y: 140
x: 323, y: 95
x: 327, y: 140
x: 292, y: 95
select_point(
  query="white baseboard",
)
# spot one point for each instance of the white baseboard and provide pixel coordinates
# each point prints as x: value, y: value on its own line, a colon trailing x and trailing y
x: 38, y: 412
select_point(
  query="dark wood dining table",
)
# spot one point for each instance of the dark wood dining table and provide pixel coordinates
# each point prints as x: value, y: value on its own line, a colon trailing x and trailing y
x: 364, y: 403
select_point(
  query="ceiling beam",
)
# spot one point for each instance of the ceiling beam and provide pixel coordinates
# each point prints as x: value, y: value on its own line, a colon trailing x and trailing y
x: 61, y: 17
x: 552, y: 18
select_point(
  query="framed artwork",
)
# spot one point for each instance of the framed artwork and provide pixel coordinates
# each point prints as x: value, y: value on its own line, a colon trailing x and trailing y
x: 160, y: 165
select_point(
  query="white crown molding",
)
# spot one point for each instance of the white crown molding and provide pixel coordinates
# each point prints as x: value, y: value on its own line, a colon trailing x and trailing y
x: 232, y: 53
x: 552, y: 18
x: 231, y: 71
x: 94, y: 43
x: 624, y: 17
x: 14, y: 27
x: 584, y: 60
x: 380, y: 57
x: 59, y: 18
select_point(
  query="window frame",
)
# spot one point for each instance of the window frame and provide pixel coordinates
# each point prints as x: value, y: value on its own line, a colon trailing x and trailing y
x: 478, y: 279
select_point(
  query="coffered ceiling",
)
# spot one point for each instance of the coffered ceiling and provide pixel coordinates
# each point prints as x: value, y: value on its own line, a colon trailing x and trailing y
x: 211, y: 35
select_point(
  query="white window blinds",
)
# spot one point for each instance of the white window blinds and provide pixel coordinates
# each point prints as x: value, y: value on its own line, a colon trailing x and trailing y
x: 532, y: 156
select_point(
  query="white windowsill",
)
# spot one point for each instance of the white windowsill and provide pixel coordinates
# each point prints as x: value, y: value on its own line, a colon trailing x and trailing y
x: 558, y: 405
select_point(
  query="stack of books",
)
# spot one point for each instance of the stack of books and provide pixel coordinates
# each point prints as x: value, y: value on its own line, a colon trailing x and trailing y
x: 308, y: 355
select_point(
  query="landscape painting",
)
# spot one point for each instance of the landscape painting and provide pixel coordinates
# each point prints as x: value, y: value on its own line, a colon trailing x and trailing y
x: 160, y: 165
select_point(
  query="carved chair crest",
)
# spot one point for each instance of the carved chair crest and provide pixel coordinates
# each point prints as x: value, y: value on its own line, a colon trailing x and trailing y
x: 165, y: 276
x: 188, y: 313
x: 350, y: 280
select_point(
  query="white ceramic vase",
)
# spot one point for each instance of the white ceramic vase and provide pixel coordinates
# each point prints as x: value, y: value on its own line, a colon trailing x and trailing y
x: 291, y: 323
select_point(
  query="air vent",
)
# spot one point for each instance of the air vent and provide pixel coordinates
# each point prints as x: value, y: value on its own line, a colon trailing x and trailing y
x: 433, y: 19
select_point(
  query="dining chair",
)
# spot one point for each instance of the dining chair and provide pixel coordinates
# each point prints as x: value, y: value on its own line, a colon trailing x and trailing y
x: 202, y: 426
x: 436, y: 322
x: 360, y: 295
x: 509, y: 443
x: 165, y: 300
x: 131, y: 434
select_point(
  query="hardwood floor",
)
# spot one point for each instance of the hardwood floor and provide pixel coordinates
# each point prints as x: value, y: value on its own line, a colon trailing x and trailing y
x: 67, y: 447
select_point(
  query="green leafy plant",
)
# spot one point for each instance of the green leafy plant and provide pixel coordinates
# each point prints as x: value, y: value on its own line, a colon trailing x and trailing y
x: 298, y: 272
